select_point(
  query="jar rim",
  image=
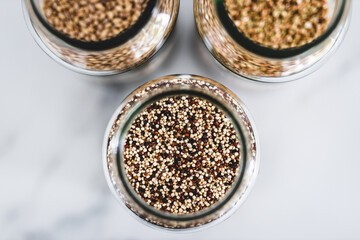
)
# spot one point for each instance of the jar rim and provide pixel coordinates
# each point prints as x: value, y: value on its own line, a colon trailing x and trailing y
x: 122, y: 59
x: 113, y: 149
x: 213, y: 208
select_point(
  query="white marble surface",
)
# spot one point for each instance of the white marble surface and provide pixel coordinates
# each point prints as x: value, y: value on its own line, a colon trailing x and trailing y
x: 52, y: 124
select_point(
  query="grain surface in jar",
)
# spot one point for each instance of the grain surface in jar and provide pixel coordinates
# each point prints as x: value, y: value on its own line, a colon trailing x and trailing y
x: 93, y: 20
x: 182, y: 154
x: 279, y: 24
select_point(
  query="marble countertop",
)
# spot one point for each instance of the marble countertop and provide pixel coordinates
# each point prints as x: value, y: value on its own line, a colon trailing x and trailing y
x: 52, y: 124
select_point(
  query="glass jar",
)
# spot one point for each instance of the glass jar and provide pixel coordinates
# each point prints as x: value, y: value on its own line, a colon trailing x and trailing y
x: 142, y: 97
x: 246, y: 58
x: 119, y: 54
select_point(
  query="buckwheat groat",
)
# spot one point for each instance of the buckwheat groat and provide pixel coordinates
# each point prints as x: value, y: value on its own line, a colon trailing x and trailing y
x: 93, y: 20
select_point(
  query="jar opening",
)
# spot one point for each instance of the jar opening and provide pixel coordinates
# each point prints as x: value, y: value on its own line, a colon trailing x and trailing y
x: 100, y: 45
x: 162, y: 214
x: 336, y: 11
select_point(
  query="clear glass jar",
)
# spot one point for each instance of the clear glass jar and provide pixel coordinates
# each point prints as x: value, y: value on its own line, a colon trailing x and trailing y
x: 119, y: 54
x: 169, y: 86
x: 246, y: 58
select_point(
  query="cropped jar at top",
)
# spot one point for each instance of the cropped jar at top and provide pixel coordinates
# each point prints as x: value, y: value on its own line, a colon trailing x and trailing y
x: 101, y: 38
x: 181, y: 152
x: 271, y: 41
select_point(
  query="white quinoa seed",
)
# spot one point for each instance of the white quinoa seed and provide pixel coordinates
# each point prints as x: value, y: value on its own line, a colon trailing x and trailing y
x: 192, y: 168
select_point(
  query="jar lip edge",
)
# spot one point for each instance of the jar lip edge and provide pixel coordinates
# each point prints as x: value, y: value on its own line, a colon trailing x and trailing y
x: 244, y: 162
x: 207, y: 211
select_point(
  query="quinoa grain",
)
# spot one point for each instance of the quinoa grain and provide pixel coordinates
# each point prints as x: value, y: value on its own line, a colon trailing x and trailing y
x: 182, y: 154
x: 93, y: 20
x: 279, y: 24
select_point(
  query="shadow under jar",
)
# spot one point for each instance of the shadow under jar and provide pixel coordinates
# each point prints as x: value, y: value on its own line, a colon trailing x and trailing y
x: 140, y: 32
x: 180, y: 152
x: 231, y: 37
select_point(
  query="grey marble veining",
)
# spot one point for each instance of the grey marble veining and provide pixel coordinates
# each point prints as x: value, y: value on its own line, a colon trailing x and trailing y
x: 53, y: 120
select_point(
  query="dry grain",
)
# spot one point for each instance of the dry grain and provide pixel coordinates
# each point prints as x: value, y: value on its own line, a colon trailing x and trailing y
x: 93, y: 20
x: 279, y: 24
x: 182, y: 154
